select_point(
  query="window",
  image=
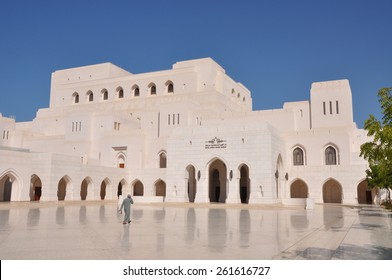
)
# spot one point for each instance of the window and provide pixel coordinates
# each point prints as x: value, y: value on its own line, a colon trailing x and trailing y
x: 76, y: 98
x: 330, y: 156
x: 324, y: 108
x: 171, y: 119
x: 90, y: 96
x: 170, y: 88
x: 135, y: 90
x: 76, y: 126
x: 298, y: 156
x: 6, y: 134
x: 121, y: 160
x: 162, y: 160
x: 330, y: 107
x: 153, y: 90
x: 121, y: 93
x: 337, y: 107
x: 105, y: 94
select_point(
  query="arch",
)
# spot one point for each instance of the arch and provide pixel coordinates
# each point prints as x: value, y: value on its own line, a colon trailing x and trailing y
x: 332, y: 191
x: 105, y: 94
x: 75, y: 97
x: 120, y: 187
x: 298, y: 189
x: 152, y: 88
x: 162, y: 159
x: 217, y: 172
x: 191, y: 182
x: 138, y: 188
x: 35, y: 188
x: 244, y: 183
x: 10, y: 184
x: 298, y: 156
x: 364, y: 194
x: 120, y: 92
x: 160, y: 188
x: 62, y: 186
x: 135, y: 90
x: 331, y: 155
x: 169, y: 87
x: 6, y: 187
x: 84, y: 186
x: 90, y: 96
x: 104, y: 185
x: 279, y: 177
x: 121, y: 160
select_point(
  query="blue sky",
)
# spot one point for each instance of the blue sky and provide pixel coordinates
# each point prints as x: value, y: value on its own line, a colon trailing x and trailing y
x: 275, y: 48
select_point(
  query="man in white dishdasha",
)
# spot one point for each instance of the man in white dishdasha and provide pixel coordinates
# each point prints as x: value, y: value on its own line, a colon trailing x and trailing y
x: 126, y: 204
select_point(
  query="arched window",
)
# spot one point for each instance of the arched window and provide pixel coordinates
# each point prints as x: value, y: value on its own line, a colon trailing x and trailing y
x: 298, y: 156
x: 121, y: 161
x: 162, y: 160
x: 170, y: 88
x: 76, y: 98
x: 135, y: 90
x: 90, y: 96
x: 105, y: 94
x: 120, y: 93
x: 330, y: 156
x: 153, y: 90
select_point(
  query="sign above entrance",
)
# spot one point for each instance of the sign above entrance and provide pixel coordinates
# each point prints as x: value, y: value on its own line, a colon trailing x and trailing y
x: 215, y: 143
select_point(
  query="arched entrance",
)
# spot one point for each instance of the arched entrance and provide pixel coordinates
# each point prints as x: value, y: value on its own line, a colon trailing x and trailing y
x: 138, y: 188
x: 332, y: 191
x: 244, y: 184
x: 160, y: 188
x: 364, y: 194
x: 217, y: 181
x: 105, y: 183
x: 120, y: 187
x: 35, y: 188
x: 279, y: 177
x: 62, y: 186
x: 191, y: 173
x: 298, y: 189
x: 6, y: 187
x: 86, y: 183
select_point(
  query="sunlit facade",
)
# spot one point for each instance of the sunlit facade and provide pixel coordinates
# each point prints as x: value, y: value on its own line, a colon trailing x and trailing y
x: 187, y: 134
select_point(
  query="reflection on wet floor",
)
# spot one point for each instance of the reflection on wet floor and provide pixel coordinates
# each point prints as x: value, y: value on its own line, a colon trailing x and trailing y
x: 189, y: 231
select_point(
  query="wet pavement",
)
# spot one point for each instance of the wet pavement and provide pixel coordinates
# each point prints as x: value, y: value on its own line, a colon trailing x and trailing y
x: 94, y: 231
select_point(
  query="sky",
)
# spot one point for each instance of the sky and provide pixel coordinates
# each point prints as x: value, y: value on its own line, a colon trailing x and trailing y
x: 276, y: 48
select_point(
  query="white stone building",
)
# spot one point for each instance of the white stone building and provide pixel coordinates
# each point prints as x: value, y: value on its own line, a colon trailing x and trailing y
x: 184, y: 134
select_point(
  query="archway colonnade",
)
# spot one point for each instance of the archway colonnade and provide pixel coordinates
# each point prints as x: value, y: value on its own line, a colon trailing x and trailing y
x: 68, y: 189
x: 218, y: 177
x: 332, y: 191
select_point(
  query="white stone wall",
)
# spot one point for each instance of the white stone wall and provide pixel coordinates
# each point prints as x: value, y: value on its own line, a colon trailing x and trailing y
x: 207, y: 117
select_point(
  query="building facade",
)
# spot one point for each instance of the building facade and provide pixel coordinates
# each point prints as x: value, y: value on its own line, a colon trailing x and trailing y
x: 187, y: 134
